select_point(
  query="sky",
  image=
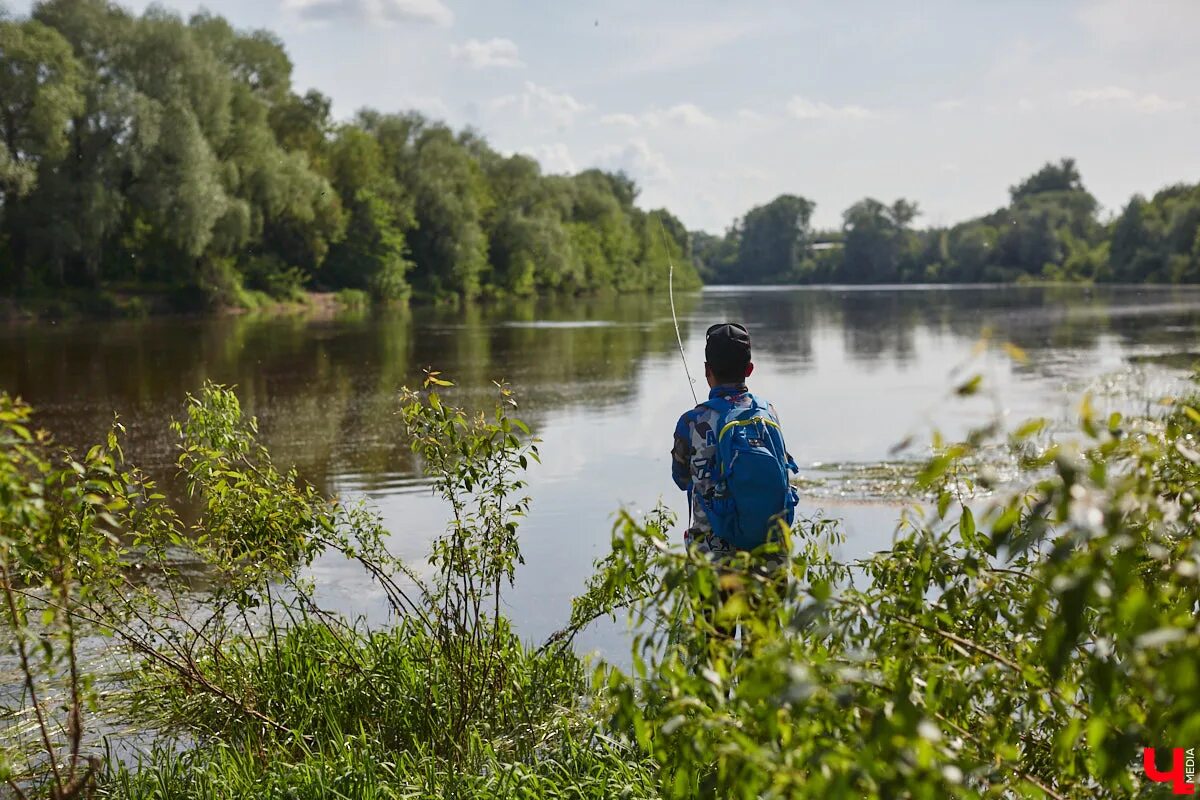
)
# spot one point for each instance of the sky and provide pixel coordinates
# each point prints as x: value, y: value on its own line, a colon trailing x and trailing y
x: 715, y: 107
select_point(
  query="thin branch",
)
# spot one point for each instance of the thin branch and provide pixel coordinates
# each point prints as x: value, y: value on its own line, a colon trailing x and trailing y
x: 1022, y: 774
x: 985, y: 651
x: 22, y: 651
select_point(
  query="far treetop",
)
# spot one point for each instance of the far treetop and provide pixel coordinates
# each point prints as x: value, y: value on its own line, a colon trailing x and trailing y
x: 168, y: 156
x: 1049, y: 231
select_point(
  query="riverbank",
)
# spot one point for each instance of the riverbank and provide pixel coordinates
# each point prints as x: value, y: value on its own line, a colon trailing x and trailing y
x: 899, y: 674
x: 127, y: 304
x: 140, y: 304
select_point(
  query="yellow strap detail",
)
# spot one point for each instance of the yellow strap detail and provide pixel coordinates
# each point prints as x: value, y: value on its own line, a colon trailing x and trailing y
x: 737, y: 422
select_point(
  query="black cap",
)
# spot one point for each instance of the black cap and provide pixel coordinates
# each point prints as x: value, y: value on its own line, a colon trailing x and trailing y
x: 727, y: 348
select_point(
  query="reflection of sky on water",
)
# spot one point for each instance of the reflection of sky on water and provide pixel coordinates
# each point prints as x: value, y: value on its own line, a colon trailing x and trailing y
x: 851, y: 371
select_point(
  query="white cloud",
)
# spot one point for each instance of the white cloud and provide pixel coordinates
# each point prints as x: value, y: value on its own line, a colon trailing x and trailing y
x: 1157, y: 25
x: 950, y: 105
x: 751, y: 117
x: 637, y: 159
x: 1122, y: 98
x: 555, y: 158
x: 429, y: 106
x: 803, y: 108
x: 739, y: 174
x: 622, y: 120
x: 540, y: 102
x: 378, y: 12
x: 683, y: 42
x: 491, y: 53
x: 688, y: 115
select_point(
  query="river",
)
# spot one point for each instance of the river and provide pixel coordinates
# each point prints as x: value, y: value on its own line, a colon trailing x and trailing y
x: 851, y: 371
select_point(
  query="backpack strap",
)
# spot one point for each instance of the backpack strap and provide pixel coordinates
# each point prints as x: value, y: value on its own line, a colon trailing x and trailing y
x: 718, y: 404
x: 759, y: 405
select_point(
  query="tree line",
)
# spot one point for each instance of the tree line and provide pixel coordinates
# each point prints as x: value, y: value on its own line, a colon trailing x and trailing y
x: 1050, y: 230
x: 153, y: 152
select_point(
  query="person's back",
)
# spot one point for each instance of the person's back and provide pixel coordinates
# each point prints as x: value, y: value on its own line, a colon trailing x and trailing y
x: 730, y: 448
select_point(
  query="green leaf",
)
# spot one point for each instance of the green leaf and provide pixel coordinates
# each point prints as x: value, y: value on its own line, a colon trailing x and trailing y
x: 966, y: 526
x: 1016, y: 353
x: 1029, y: 428
x: 1006, y: 520
x: 969, y: 386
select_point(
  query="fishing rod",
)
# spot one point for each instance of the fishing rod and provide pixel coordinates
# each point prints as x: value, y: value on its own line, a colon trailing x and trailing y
x: 671, y: 294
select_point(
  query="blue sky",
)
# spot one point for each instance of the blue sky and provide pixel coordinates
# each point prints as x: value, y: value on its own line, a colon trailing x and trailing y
x: 715, y: 107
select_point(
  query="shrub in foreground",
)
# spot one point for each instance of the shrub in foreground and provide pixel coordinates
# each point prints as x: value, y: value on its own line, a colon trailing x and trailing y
x: 1026, y: 642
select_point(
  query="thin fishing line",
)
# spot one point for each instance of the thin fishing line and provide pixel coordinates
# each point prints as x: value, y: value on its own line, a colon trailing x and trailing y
x: 674, y: 318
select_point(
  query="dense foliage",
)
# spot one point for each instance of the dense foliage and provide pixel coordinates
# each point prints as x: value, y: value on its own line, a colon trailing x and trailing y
x: 153, y: 153
x: 1023, y: 641
x: 151, y: 160
x: 1050, y: 230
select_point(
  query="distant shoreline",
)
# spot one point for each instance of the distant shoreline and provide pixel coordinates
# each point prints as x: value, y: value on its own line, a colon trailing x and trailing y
x: 327, y: 305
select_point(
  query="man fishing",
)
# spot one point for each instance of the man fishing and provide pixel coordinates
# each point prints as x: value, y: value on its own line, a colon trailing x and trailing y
x: 729, y: 456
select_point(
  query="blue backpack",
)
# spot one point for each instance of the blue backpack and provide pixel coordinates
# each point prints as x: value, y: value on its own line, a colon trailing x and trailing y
x: 751, y: 488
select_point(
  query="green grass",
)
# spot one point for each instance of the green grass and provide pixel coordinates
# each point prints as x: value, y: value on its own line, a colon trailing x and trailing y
x: 369, y: 715
x: 353, y: 299
x: 360, y: 767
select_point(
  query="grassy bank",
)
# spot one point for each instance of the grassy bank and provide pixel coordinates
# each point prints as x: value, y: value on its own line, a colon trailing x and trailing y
x: 140, y: 303
x: 371, y: 715
x: 1028, y: 645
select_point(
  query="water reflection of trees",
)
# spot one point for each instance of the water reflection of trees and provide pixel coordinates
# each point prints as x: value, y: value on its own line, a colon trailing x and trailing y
x: 781, y: 320
x: 880, y: 324
x: 325, y: 390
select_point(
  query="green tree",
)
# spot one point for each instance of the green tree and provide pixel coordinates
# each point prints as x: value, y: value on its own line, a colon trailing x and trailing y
x: 774, y: 241
x: 1131, y: 253
x: 714, y: 256
x: 527, y: 241
x: 972, y: 248
x: 879, y: 244
x: 449, y: 245
x: 80, y: 222
x: 373, y: 254
x: 1061, y: 177
x: 39, y: 93
x: 603, y: 202
x: 665, y: 246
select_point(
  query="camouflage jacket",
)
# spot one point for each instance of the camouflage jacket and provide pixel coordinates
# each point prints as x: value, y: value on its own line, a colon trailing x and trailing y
x: 692, y: 456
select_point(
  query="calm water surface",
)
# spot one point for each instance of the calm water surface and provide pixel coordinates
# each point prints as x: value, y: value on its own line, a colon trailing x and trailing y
x: 851, y: 372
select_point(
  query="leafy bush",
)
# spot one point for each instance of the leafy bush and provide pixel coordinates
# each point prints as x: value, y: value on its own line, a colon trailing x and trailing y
x: 353, y: 299
x: 389, y: 284
x: 269, y: 274
x: 1029, y: 643
x: 1029, y: 646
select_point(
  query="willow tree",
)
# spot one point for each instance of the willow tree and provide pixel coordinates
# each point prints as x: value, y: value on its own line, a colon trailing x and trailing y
x: 39, y: 93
